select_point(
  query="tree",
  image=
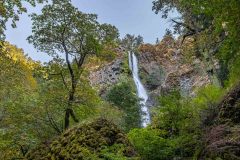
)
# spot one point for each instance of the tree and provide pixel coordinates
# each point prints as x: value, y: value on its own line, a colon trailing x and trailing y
x: 63, y: 31
x: 131, y: 43
x: 174, y: 132
x: 17, y: 97
x: 10, y: 9
x: 157, y: 41
x: 108, y: 33
x: 215, y: 34
x: 151, y: 144
x: 123, y: 96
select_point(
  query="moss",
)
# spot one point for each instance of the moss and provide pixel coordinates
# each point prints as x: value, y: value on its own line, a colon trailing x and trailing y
x: 100, y: 139
x: 222, y: 140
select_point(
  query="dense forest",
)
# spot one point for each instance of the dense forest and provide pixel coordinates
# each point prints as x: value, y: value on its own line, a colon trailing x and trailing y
x: 87, y: 103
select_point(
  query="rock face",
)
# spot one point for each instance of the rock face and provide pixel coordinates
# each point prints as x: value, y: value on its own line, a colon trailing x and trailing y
x: 163, y: 67
x: 107, y: 75
x: 230, y: 107
x: 222, y: 139
x: 98, y: 140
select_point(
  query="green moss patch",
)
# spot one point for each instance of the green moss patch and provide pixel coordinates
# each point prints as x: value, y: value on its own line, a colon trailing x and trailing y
x: 100, y: 139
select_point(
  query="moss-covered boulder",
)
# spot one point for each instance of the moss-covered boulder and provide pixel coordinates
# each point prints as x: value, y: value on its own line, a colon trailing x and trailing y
x: 230, y: 107
x: 222, y: 139
x: 222, y: 142
x: 100, y: 139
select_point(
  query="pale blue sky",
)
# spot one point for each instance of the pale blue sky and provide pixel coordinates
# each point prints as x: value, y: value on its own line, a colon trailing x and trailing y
x: 129, y: 16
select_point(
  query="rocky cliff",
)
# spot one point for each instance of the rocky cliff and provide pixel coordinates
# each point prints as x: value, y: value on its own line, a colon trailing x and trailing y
x: 222, y: 137
x: 165, y: 66
x: 109, y: 74
x: 162, y: 67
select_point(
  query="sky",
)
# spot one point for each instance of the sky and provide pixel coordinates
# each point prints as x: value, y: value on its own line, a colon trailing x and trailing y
x: 129, y: 16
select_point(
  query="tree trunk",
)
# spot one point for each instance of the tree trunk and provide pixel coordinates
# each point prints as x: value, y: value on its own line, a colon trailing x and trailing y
x: 67, y: 118
x: 69, y: 111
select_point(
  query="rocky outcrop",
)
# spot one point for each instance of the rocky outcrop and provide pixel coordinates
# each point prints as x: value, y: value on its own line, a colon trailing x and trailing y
x: 230, y: 107
x: 109, y: 74
x: 222, y: 138
x: 98, y: 140
x: 163, y: 67
x: 222, y: 142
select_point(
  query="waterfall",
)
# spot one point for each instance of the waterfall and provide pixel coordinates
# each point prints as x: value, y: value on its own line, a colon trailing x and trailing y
x: 141, y: 92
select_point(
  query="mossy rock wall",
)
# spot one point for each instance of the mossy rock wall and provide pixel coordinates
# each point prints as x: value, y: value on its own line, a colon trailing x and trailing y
x: 230, y: 107
x: 100, y: 139
x: 222, y: 139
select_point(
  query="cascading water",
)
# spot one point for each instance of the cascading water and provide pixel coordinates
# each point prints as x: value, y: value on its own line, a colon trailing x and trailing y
x: 141, y: 92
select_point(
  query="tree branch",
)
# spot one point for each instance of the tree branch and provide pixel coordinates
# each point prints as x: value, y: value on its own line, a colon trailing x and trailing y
x: 63, y: 78
x: 191, y: 31
x: 52, y: 122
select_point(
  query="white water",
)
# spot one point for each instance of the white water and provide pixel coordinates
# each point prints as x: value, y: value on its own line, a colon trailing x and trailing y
x: 141, y: 92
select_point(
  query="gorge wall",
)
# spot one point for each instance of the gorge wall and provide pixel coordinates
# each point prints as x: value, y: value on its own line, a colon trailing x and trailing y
x: 165, y: 66
x: 162, y: 67
x: 109, y: 74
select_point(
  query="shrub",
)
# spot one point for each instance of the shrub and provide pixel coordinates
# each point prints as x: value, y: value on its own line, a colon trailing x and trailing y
x: 150, y: 144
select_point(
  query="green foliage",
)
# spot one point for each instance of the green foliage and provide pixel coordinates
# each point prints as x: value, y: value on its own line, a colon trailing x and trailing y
x: 108, y: 33
x: 123, y: 96
x: 150, y: 144
x: 170, y: 112
x: 208, y: 96
x: 176, y: 129
x: 115, y: 152
x: 17, y: 102
x: 174, y: 132
x: 206, y: 101
x: 214, y: 26
x: 63, y: 29
x: 125, y: 65
x: 10, y: 10
x: 100, y: 139
x: 131, y: 43
x: 233, y: 77
x: 180, y: 119
x: 34, y: 99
